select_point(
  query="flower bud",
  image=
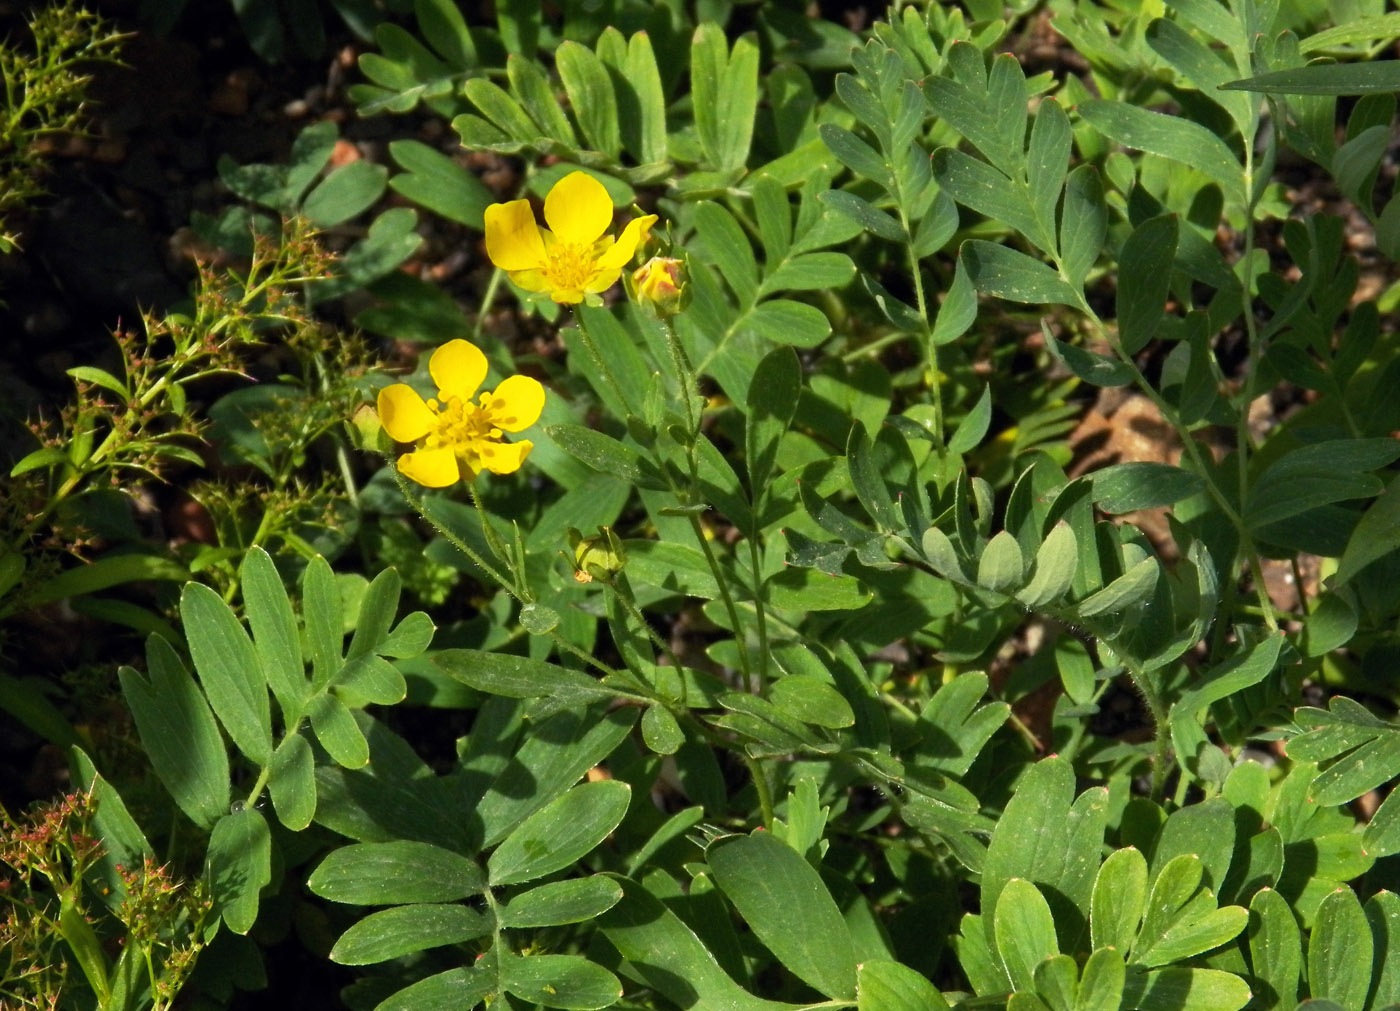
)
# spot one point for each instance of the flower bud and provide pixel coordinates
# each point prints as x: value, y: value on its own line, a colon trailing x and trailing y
x: 659, y: 284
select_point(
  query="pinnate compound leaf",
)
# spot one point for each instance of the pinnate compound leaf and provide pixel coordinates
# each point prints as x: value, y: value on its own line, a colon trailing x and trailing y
x: 783, y: 899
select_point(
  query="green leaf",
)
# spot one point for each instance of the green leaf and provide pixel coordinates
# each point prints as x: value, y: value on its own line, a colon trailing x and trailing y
x: 275, y: 636
x: 863, y: 213
x: 229, y: 670
x: 1375, y: 536
x: 455, y: 988
x: 868, y: 481
x: 973, y: 428
x: 1089, y: 366
x: 787, y: 322
x: 346, y: 192
x: 1055, y: 563
x: 433, y: 180
x: 667, y: 955
x: 1318, y: 474
x: 335, y: 728
x: 1383, y: 915
x: 1001, y: 271
x: 1119, y: 899
x: 1125, y: 591
x: 1275, y: 950
x: 809, y: 272
x: 560, y: 981
x: 1185, y: 990
x: 785, y: 902
x: 292, y: 782
x: 771, y: 403
x: 520, y: 677
x: 500, y: 108
x: 100, y: 377
x: 1169, y: 137
x: 1025, y: 932
x: 959, y: 307
x: 1101, y: 982
x: 989, y: 192
x: 1219, y: 682
x: 724, y: 95
x: 591, y: 96
x: 856, y: 155
x: 389, y: 873
x: 644, y: 116
x: 561, y: 832
x: 1340, y: 950
x: 325, y: 627
x: 1047, y: 161
x: 660, y: 731
x: 1083, y: 224
x: 559, y: 902
x: 238, y: 864
x: 1144, y: 273
x: 1001, y: 566
x: 178, y: 733
x: 813, y: 701
x: 1125, y: 487
x: 798, y: 589
x: 407, y: 930
x: 1380, y: 77
x: 882, y: 985
x: 601, y: 452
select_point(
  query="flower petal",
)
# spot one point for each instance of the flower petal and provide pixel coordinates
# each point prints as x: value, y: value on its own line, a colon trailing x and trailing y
x: 516, y: 404
x: 602, y: 280
x: 513, y: 240
x: 458, y: 368
x: 432, y: 468
x: 578, y: 209
x: 504, y: 457
x: 636, y: 232
x: 403, y: 414
x: 530, y: 280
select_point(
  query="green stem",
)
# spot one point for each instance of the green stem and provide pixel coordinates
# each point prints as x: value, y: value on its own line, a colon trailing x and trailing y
x: 1157, y: 706
x: 760, y: 784
x: 758, y: 582
x: 726, y: 597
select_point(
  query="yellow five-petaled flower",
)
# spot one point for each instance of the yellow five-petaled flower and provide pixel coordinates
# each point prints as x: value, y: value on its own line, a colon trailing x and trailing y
x: 457, y: 438
x: 573, y: 258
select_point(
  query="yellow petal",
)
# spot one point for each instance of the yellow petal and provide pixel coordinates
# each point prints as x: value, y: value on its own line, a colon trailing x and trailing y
x: 516, y: 404
x: 602, y: 280
x: 530, y: 280
x: 458, y: 369
x: 567, y: 296
x: 403, y: 414
x: 504, y: 457
x: 432, y: 468
x: 636, y: 232
x: 578, y: 209
x: 513, y: 240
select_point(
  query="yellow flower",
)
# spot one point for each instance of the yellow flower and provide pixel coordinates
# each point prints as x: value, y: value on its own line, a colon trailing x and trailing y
x: 456, y: 438
x: 573, y: 258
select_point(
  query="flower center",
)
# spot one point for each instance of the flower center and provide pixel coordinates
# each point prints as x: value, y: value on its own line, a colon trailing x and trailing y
x: 569, y: 265
x: 460, y: 425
